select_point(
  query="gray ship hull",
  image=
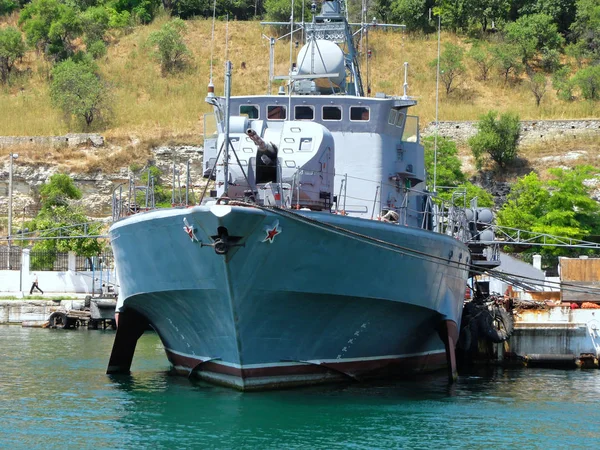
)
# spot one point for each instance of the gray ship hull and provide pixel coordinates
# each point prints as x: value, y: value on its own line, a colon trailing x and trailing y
x: 293, y: 302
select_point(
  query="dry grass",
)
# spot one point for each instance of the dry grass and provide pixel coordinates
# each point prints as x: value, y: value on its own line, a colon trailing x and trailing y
x: 150, y: 106
x: 81, y: 159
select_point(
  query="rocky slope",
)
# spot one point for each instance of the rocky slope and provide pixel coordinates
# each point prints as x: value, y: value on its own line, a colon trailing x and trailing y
x: 99, y: 168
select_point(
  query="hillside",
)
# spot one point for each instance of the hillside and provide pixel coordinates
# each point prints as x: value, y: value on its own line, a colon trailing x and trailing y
x: 149, y: 106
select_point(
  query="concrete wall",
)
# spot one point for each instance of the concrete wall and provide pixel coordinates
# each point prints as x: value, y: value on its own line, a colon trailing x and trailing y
x: 55, y: 282
x: 16, y: 312
x: 557, y: 331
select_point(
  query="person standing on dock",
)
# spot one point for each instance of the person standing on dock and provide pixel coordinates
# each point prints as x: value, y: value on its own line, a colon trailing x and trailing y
x: 34, y: 284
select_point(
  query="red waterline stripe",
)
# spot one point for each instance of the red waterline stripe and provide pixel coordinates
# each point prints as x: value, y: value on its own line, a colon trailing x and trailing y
x: 351, y: 367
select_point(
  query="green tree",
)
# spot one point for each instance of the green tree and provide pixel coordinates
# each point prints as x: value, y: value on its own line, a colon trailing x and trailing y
x: 562, y: 83
x: 412, y: 13
x: 562, y: 12
x: 281, y: 10
x: 532, y: 33
x: 455, y: 14
x: 448, y: 168
x: 588, y: 81
x: 586, y: 26
x: 51, y: 26
x: 237, y: 9
x: 507, y: 60
x: 171, y: 51
x: 484, y: 198
x: 537, y: 86
x: 58, y: 191
x: 58, y: 218
x: 487, y: 12
x: 79, y: 92
x: 8, y: 6
x: 498, y: 137
x: 162, y: 197
x: 451, y: 66
x: 95, y: 20
x: 12, y: 48
x: 142, y: 10
x: 482, y: 58
x: 448, y: 173
x: 561, y: 206
x: 578, y: 51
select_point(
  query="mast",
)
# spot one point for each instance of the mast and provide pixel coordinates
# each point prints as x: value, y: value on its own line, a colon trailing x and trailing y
x: 332, y: 25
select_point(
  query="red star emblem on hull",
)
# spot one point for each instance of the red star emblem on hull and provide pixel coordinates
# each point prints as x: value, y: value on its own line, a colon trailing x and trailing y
x: 189, y: 230
x: 272, y: 231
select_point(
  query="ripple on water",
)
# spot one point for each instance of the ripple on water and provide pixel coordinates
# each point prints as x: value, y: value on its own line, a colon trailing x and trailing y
x: 54, y: 393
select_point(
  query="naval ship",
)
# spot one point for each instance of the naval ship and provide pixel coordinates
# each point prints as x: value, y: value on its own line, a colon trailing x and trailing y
x: 319, y: 256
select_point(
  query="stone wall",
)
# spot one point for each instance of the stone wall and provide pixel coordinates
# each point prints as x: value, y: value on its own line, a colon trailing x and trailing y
x: 70, y: 140
x: 531, y: 130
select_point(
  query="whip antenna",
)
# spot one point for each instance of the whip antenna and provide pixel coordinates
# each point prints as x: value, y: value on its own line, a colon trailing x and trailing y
x: 289, y: 113
x: 212, y: 41
x: 211, y: 86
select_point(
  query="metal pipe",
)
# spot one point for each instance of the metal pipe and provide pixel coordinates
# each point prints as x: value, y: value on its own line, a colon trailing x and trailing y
x: 227, y: 111
x: 13, y: 156
x: 187, y: 184
x: 374, y: 202
x: 345, y: 191
x: 147, y: 187
x: 173, y: 185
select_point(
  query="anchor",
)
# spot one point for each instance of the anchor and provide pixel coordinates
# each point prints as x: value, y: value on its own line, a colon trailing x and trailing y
x: 223, y: 242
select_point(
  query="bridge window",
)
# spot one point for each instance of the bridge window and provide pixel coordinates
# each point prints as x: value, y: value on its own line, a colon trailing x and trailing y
x: 411, y: 129
x: 360, y: 113
x: 276, y: 112
x: 393, y: 116
x: 400, y: 119
x: 250, y: 111
x: 304, y: 113
x: 332, y: 113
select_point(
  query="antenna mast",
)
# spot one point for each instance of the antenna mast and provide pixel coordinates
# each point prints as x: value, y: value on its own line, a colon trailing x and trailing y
x: 227, y: 112
x: 437, y: 98
x: 211, y: 86
x: 289, y: 113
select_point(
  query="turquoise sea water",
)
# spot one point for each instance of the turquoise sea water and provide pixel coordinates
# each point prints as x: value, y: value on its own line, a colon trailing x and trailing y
x: 54, y: 394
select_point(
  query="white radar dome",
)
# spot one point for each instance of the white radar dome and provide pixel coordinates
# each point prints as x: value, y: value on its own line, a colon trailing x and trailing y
x: 320, y: 57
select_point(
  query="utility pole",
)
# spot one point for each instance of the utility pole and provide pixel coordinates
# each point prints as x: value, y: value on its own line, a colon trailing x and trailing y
x: 13, y: 156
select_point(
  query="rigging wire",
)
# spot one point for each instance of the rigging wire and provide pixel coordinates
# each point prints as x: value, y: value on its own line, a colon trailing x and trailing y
x: 417, y: 253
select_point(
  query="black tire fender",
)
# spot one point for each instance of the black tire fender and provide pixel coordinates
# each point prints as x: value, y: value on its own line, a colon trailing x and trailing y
x: 58, y: 319
x: 497, y: 325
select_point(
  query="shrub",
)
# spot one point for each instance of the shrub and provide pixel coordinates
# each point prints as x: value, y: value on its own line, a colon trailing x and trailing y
x: 171, y: 51
x: 97, y: 49
x: 588, y: 81
x: 497, y: 137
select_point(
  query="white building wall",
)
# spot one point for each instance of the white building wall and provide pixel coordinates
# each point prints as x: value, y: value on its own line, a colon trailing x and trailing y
x: 81, y: 282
